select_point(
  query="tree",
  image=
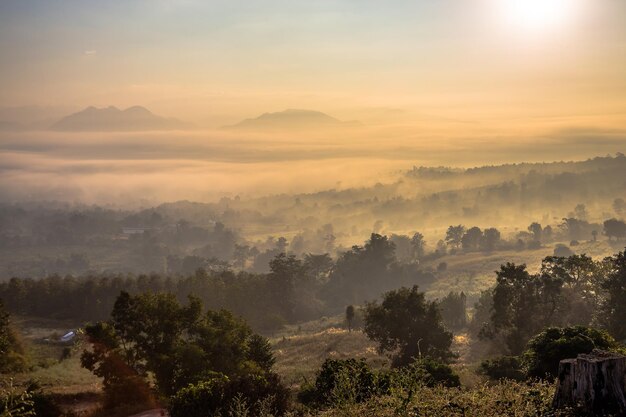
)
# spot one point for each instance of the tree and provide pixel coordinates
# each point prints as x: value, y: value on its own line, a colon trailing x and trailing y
x: 472, y: 238
x: 522, y: 305
x: 453, y: 309
x: 12, y: 357
x: 454, y: 235
x: 365, y: 271
x: 619, y: 206
x: 153, y: 337
x: 614, y: 305
x: 350, y: 316
x: 581, y: 277
x: 614, y: 228
x: 241, y: 255
x: 318, y: 266
x: 490, y: 239
x: 408, y: 326
x: 285, y: 272
x: 536, y: 230
x: 580, y: 212
x: 575, y: 228
x: 418, y: 246
x: 562, y: 251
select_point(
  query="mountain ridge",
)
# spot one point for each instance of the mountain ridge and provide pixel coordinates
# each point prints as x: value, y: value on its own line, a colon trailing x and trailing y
x: 108, y: 119
x: 291, y: 119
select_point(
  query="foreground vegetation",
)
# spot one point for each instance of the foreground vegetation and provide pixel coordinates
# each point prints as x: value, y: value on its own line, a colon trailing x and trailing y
x: 157, y: 348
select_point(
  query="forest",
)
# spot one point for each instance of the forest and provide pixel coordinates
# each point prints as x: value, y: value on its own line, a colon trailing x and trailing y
x: 187, y: 307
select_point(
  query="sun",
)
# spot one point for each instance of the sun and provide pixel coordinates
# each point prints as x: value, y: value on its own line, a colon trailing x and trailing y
x: 536, y: 16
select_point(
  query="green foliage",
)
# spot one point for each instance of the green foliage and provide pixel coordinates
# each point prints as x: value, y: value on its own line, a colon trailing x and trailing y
x: 545, y: 350
x: 614, y: 306
x: 516, y: 294
x: 340, y: 382
x: 12, y: 357
x: 250, y: 393
x: 408, y: 326
x: 15, y: 402
x: 350, y: 316
x: 453, y: 309
x: 454, y: 235
x: 351, y: 381
x: 122, y: 384
x: 260, y: 352
x: 507, y: 398
x: 152, y: 336
x: 23, y: 402
x: 426, y: 372
x: 503, y: 367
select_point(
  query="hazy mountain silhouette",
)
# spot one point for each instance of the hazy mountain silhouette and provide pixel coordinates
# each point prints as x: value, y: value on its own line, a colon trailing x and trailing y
x: 114, y: 119
x: 291, y: 119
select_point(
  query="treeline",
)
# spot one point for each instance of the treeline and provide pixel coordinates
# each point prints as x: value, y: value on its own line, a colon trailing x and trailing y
x: 295, y: 289
x: 572, y: 291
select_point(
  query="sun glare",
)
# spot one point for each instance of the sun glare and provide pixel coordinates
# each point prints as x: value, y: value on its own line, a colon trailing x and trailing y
x: 536, y: 16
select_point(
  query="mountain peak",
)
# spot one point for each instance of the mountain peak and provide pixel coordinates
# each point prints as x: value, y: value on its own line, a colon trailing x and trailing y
x: 135, y: 118
x: 290, y: 119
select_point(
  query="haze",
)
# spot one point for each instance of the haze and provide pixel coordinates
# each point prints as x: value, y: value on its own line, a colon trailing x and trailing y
x: 426, y: 83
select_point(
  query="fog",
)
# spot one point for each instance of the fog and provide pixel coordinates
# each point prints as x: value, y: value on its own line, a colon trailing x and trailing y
x: 130, y: 169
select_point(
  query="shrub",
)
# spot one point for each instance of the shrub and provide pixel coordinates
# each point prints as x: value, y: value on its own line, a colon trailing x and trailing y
x: 219, y: 394
x: 15, y: 402
x: 503, y: 367
x: 562, y: 251
x: 432, y: 373
x: 545, y: 350
x: 341, y: 381
x: 351, y: 381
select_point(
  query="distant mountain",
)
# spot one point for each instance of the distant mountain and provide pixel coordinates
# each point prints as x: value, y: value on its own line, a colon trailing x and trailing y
x: 113, y: 119
x: 291, y: 119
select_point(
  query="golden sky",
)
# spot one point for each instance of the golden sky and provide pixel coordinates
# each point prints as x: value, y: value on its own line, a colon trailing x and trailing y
x: 213, y: 62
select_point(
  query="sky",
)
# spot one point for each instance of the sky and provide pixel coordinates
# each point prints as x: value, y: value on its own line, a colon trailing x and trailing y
x: 215, y: 62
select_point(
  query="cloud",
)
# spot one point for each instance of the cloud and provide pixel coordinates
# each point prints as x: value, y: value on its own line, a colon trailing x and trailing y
x: 90, y: 52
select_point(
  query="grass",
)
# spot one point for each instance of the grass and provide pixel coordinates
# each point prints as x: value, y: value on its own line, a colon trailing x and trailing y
x: 299, y: 357
x: 475, y: 272
x: 503, y: 399
x: 64, y: 377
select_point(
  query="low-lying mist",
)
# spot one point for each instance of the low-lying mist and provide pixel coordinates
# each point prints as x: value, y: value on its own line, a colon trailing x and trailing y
x: 131, y: 169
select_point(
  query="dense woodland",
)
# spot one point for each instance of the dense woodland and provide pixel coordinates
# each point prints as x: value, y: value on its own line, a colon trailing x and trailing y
x: 571, y: 199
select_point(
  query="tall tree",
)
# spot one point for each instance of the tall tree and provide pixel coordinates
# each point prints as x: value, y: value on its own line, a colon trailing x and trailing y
x: 408, y: 326
x: 454, y: 236
x: 614, y: 307
x: 522, y: 305
x: 418, y: 245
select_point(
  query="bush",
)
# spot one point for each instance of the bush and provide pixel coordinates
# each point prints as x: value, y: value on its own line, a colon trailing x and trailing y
x: 562, y: 251
x: 15, y: 402
x: 253, y: 393
x: 341, y: 381
x: 503, y: 367
x: 432, y: 373
x: 545, y: 350
x: 351, y: 381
